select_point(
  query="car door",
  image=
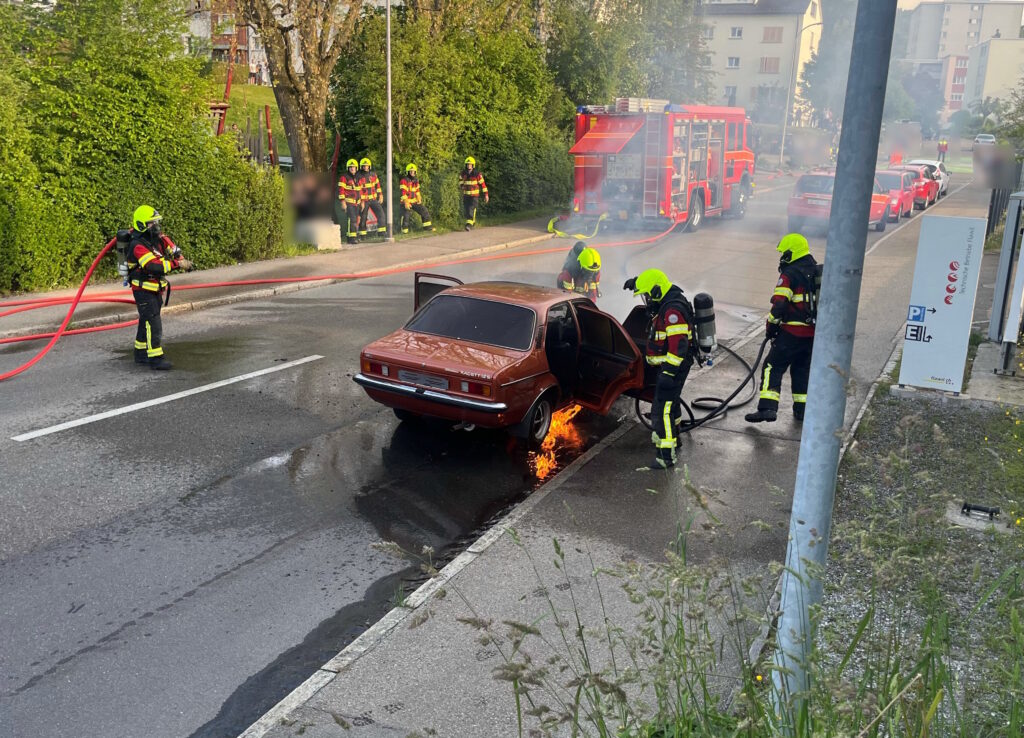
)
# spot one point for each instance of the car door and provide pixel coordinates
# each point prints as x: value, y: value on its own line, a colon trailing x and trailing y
x: 609, y: 361
x: 426, y: 286
x: 908, y: 190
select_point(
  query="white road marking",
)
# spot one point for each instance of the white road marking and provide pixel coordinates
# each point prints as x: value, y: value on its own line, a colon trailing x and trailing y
x: 161, y: 400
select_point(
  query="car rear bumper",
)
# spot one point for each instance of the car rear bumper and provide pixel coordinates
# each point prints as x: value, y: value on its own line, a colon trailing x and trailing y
x: 420, y: 396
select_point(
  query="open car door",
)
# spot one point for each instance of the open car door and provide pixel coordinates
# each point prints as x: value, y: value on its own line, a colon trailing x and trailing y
x: 609, y: 361
x: 425, y: 286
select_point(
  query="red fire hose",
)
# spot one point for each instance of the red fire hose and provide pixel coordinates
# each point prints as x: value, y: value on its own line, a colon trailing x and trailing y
x: 17, y: 306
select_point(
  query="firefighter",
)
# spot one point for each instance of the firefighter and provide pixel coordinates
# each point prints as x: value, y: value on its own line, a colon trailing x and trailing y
x: 790, y: 327
x: 472, y: 185
x: 151, y: 256
x: 581, y: 272
x: 669, y: 347
x: 372, y: 197
x: 350, y: 194
x: 412, y: 200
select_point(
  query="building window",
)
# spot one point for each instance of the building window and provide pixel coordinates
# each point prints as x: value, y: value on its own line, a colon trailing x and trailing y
x: 769, y: 65
x: 709, y: 32
x: 226, y: 24
x: 736, y: 32
x: 956, y: 97
x: 730, y: 95
x: 772, y: 35
x: 814, y: 9
x: 972, y: 21
x: 733, y: 62
x: 961, y: 63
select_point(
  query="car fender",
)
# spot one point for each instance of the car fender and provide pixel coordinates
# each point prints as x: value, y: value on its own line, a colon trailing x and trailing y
x: 520, y: 429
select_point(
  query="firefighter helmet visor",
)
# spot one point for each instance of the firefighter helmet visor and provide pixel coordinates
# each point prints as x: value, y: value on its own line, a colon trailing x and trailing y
x: 143, y: 216
x: 590, y: 260
x: 471, y: 160
x: 410, y: 169
x: 351, y: 163
x: 793, y: 246
x: 365, y: 162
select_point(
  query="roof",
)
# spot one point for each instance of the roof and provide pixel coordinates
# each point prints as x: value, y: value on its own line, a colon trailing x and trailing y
x: 516, y: 293
x: 761, y: 7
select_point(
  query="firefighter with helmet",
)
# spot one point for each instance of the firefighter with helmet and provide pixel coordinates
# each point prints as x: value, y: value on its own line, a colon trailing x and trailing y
x: 669, y: 348
x: 472, y: 186
x: 151, y: 256
x: 372, y: 197
x: 581, y: 272
x: 350, y: 195
x: 412, y: 200
x: 790, y: 327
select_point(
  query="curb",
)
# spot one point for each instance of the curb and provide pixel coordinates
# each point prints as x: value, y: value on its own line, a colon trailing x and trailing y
x: 259, y: 294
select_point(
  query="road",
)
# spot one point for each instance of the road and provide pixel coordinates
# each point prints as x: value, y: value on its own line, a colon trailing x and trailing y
x: 176, y: 570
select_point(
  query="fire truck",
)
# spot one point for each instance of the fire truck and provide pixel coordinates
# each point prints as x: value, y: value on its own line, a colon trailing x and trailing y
x: 647, y: 162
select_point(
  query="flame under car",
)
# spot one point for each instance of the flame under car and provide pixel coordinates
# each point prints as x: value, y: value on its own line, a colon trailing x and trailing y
x: 500, y: 355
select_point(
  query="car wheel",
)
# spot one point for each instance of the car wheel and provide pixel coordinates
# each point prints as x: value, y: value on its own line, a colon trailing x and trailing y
x: 909, y: 212
x: 539, y: 423
x: 899, y: 214
x: 795, y: 225
x: 880, y: 225
x: 405, y: 416
x: 696, y: 219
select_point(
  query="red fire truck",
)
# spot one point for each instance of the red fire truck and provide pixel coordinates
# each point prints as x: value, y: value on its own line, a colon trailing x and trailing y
x: 647, y: 161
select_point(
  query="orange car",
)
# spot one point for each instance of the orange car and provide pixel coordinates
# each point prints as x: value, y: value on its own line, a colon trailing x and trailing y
x: 500, y: 355
x: 811, y: 202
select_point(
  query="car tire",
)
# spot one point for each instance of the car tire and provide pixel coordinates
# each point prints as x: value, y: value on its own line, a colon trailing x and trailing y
x: 899, y: 214
x: 696, y: 219
x: 405, y: 416
x: 880, y: 225
x: 539, y: 421
x: 795, y: 224
x: 909, y: 212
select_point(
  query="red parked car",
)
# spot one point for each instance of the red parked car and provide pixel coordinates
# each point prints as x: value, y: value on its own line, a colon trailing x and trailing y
x: 500, y: 355
x: 811, y: 202
x: 926, y: 188
x: 900, y: 185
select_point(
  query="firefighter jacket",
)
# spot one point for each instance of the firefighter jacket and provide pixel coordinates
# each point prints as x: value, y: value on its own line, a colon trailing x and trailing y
x: 411, y: 194
x: 581, y: 281
x: 791, y: 310
x: 370, y: 184
x: 668, y: 344
x: 472, y: 183
x: 350, y: 189
x: 149, y: 262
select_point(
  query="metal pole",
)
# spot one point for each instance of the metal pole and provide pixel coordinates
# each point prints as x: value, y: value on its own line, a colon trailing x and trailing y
x: 811, y: 519
x: 390, y: 166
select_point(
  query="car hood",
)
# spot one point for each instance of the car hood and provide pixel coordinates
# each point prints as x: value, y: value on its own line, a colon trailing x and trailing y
x: 440, y: 354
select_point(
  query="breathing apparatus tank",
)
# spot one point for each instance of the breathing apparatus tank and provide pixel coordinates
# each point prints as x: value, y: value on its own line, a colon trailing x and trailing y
x: 124, y: 238
x: 704, y: 318
x: 815, y: 294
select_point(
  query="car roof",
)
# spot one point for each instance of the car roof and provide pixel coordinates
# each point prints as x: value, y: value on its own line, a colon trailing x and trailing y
x: 912, y: 167
x: 930, y: 162
x: 514, y: 293
x: 889, y: 171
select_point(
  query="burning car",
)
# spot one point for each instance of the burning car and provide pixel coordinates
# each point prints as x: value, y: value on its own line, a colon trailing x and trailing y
x: 500, y: 355
x: 811, y: 202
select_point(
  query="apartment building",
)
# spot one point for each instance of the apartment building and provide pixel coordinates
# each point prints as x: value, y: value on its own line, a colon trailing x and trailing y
x: 994, y: 69
x: 214, y: 30
x: 757, y: 49
x: 940, y: 29
x: 953, y: 81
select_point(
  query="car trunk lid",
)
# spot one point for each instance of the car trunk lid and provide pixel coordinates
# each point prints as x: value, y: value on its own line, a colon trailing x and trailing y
x: 437, y: 357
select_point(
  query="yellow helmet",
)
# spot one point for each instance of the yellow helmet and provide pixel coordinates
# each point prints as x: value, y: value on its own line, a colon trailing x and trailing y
x: 471, y: 160
x: 410, y: 168
x: 793, y: 246
x: 653, y: 283
x: 351, y: 163
x: 143, y: 216
x: 365, y: 162
x: 590, y: 260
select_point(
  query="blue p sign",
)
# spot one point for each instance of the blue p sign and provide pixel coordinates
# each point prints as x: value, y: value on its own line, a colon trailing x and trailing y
x: 916, y: 314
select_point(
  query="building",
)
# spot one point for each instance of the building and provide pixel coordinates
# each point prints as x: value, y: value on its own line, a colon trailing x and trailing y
x: 756, y: 50
x: 994, y: 69
x: 940, y: 29
x: 214, y: 33
x: 953, y: 81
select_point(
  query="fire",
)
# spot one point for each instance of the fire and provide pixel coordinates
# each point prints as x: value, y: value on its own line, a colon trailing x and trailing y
x: 562, y: 436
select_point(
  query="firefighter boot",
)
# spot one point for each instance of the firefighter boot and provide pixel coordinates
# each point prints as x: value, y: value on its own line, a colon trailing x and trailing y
x: 798, y: 411
x: 140, y: 356
x: 767, y: 415
x: 160, y: 363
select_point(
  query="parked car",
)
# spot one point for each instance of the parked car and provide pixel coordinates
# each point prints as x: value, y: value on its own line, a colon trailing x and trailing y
x: 500, y: 355
x: 985, y: 139
x: 926, y: 187
x: 900, y: 186
x: 811, y: 202
x: 938, y: 171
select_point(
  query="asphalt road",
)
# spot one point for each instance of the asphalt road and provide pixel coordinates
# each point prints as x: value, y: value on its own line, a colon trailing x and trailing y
x: 176, y: 570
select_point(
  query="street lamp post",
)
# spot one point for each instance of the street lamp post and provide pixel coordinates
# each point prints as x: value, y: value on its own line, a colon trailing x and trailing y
x: 792, y: 87
x: 390, y: 164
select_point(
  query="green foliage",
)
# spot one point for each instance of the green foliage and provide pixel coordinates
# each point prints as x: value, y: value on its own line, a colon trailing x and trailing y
x: 108, y: 113
x: 455, y: 94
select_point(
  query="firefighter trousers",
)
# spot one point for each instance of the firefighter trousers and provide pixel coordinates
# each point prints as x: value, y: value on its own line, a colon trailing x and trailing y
x: 150, y: 331
x: 666, y: 411
x: 378, y: 213
x: 350, y: 224
x: 469, y: 205
x: 787, y: 352
x: 420, y: 211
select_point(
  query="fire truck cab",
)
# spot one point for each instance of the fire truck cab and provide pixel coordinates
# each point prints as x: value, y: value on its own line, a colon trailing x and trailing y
x: 648, y: 162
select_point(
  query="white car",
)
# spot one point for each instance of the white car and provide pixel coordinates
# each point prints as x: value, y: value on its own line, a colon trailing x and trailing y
x: 985, y: 139
x: 938, y: 171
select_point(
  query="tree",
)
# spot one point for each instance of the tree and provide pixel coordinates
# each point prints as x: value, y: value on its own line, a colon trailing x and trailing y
x: 989, y: 106
x: 823, y: 78
x: 303, y: 41
x: 1013, y: 117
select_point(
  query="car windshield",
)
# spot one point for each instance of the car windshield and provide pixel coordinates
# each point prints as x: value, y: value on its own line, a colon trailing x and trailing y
x: 890, y: 181
x: 481, y: 321
x: 815, y: 184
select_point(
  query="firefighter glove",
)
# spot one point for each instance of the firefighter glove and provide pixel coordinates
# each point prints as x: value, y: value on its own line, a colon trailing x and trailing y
x: 185, y: 264
x: 772, y: 330
x: 630, y: 284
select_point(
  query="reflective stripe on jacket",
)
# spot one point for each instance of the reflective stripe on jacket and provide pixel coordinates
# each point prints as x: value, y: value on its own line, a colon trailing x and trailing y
x: 411, y: 194
x: 668, y: 345
x: 349, y: 189
x: 148, y: 263
x: 790, y: 307
x: 472, y: 183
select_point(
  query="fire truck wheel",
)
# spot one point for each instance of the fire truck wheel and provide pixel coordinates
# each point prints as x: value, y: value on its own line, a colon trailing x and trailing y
x: 696, y: 218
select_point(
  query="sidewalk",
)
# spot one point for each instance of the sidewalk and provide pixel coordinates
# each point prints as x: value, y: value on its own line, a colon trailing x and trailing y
x: 422, y: 668
x: 370, y: 256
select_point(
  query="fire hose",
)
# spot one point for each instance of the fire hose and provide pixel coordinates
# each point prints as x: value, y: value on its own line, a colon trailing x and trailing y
x: 13, y: 307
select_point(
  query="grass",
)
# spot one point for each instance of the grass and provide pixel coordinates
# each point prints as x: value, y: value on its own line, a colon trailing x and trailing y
x: 247, y: 101
x: 994, y: 240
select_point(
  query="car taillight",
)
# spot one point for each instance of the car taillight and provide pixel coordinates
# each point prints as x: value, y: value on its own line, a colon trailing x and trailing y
x: 576, y: 205
x: 373, y: 367
x: 475, y: 388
